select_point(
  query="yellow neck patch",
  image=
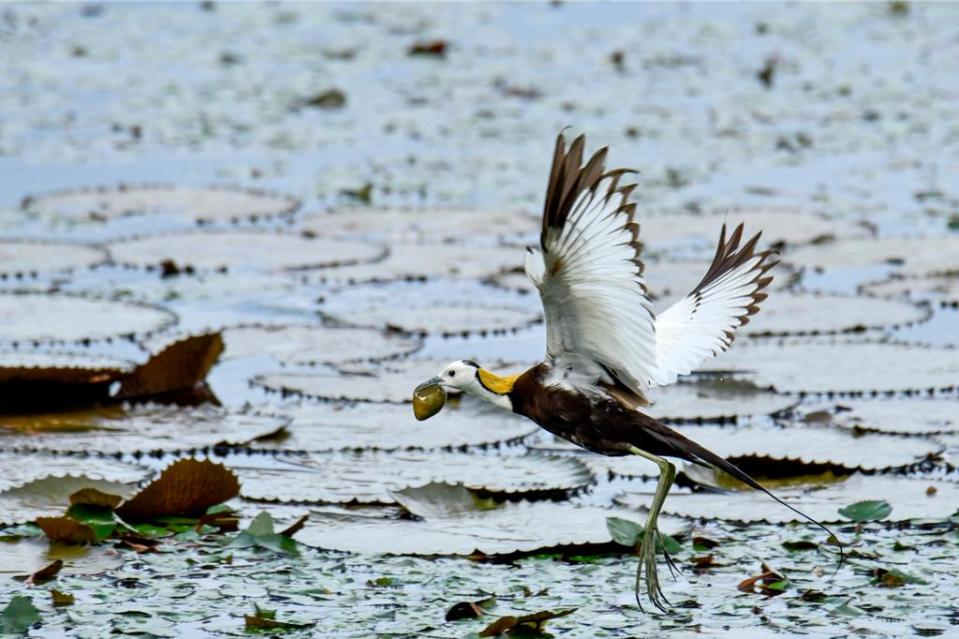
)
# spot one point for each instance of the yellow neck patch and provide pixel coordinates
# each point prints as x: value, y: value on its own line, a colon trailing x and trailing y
x: 494, y: 383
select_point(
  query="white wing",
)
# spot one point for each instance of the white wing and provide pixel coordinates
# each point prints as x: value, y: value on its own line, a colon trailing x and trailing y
x: 702, y: 324
x: 590, y: 276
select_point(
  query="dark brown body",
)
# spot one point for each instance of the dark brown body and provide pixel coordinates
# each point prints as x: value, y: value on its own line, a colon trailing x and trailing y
x: 605, y: 425
x: 599, y: 424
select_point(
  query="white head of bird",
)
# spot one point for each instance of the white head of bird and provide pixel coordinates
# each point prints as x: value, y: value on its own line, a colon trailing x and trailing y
x: 464, y: 376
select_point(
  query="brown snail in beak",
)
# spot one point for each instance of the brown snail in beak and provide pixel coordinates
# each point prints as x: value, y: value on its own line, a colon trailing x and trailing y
x: 428, y: 399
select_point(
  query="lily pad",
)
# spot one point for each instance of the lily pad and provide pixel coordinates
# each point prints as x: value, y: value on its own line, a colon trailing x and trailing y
x: 329, y: 427
x: 359, y: 477
x: 905, y: 416
x: 64, y: 367
x: 436, y: 308
x: 20, y: 258
x: 714, y: 401
x: 944, y: 288
x: 141, y: 428
x: 453, y: 522
x: 838, y: 367
x: 218, y: 250
x: 298, y: 344
x: 666, y: 281
x: 49, y: 496
x: 916, y: 256
x: 203, y: 204
x: 423, y: 226
x: 386, y: 382
x: 428, y: 261
x: 661, y: 231
x: 46, y: 317
x: 23, y: 468
x: 821, y: 314
x: 910, y: 498
x: 813, y: 445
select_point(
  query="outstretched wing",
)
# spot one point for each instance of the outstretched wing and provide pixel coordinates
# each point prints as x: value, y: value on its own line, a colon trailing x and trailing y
x: 702, y: 324
x: 589, y: 274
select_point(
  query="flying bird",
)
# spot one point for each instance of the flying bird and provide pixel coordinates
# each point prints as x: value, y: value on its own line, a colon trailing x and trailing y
x: 605, y: 346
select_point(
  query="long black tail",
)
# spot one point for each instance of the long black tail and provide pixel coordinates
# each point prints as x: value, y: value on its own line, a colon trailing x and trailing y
x: 689, y: 450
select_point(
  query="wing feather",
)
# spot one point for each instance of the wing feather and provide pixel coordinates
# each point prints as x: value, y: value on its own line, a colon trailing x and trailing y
x: 590, y: 275
x: 703, y: 324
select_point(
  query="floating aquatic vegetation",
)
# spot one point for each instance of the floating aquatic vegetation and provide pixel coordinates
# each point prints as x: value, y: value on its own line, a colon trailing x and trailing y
x: 35, y: 316
x: 905, y: 416
x: 385, y: 382
x: 302, y: 344
x: 909, y: 498
x: 176, y: 368
x: 437, y: 308
x: 780, y: 226
x: 829, y: 367
x: 23, y: 468
x: 823, y: 314
x: 44, y: 382
x: 944, y: 288
x: 413, y: 262
x: 228, y: 250
x: 142, y: 428
x: 812, y: 446
x: 28, y: 258
x: 49, y: 496
x: 359, y: 477
x: 329, y: 427
x: 203, y: 204
x: 529, y: 625
x: 437, y: 317
x: 913, y: 257
x: 185, y: 488
x: 714, y: 401
x: 453, y: 521
x: 424, y: 226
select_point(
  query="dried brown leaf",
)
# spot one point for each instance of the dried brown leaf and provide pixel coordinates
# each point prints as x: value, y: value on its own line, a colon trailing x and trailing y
x: 65, y: 530
x: 45, y: 574
x: 94, y: 497
x: 187, y: 487
x: 181, y: 366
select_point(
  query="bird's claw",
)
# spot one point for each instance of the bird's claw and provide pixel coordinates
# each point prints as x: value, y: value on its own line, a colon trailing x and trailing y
x: 647, y: 562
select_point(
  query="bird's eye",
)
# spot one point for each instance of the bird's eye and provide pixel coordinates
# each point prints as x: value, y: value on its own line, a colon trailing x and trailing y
x: 451, y: 373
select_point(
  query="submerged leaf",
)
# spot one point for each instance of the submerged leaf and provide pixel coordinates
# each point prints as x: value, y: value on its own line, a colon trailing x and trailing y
x: 185, y: 488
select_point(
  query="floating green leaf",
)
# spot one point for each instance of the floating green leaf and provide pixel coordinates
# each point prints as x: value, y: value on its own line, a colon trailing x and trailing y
x: 630, y: 534
x: 868, y: 510
x: 261, y: 534
x: 18, y: 616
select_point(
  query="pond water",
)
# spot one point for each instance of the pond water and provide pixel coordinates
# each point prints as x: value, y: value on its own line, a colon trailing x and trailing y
x: 344, y: 190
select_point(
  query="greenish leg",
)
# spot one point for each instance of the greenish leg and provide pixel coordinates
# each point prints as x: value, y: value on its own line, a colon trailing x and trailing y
x: 647, y: 561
